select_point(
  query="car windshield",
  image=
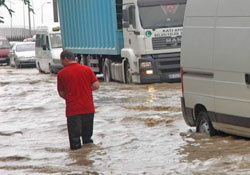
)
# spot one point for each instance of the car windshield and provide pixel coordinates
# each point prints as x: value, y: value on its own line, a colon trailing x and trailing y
x: 4, y: 44
x: 162, y: 16
x: 56, y: 40
x: 25, y: 47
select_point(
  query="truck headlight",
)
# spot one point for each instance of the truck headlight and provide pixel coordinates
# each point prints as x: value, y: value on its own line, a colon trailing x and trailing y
x: 145, y: 64
x: 147, y: 72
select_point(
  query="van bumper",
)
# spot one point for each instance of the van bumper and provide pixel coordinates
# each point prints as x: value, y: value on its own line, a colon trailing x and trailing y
x: 187, y: 113
x: 30, y: 62
x: 5, y: 60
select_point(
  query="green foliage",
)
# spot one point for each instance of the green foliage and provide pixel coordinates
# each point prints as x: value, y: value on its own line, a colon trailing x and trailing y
x: 3, y: 3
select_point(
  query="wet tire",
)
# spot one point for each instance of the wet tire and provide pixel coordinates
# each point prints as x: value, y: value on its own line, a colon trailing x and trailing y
x: 106, y: 71
x: 204, y: 125
x: 12, y: 64
x: 51, y: 71
x: 39, y: 68
x: 17, y: 65
x: 8, y: 62
x: 128, y: 74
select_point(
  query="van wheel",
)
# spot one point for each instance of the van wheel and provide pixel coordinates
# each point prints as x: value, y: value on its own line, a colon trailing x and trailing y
x: 128, y: 75
x: 204, y: 125
x: 50, y: 69
x: 8, y: 62
x: 12, y: 64
x: 39, y: 68
x: 17, y: 65
x: 106, y: 71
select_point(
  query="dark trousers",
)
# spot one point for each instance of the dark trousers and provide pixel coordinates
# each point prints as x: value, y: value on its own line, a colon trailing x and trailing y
x: 80, y: 126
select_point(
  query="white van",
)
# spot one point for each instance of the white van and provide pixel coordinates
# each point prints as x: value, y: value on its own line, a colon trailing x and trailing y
x: 215, y: 61
x: 48, y: 49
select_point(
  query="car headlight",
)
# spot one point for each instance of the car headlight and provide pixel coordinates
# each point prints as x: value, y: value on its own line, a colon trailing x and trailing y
x: 145, y: 64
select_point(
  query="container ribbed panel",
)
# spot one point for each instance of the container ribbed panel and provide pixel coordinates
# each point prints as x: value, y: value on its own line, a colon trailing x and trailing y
x: 90, y: 26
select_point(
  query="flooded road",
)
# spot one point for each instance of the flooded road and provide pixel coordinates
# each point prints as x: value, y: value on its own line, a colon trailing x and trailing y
x: 138, y: 129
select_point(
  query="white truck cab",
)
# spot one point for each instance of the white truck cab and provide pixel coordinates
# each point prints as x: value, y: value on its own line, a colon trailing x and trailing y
x: 48, y: 49
x: 152, y: 32
x: 215, y: 61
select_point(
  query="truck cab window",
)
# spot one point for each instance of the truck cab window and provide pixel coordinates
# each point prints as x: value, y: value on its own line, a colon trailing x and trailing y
x: 38, y: 40
x: 119, y: 14
x: 132, y: 20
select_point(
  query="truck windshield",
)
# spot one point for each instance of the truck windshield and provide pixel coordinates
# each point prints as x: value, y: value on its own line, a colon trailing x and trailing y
x: 162, y: 16
x: 4, y: 44
x: 56, y: 40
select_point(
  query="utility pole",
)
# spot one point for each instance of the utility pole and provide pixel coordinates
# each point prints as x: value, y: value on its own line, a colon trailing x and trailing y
x: 55, y: 10
x: 11, y: 24
x: 23, y: 17
x: 29, y: 21
x: 34, y: 26
x: 42, y: 9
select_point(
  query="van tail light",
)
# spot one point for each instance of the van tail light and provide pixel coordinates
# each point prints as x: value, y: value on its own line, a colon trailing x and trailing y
x: 182, y: 89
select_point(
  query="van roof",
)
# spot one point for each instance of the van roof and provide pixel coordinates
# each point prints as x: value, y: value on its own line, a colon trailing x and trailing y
x: 49, y: 28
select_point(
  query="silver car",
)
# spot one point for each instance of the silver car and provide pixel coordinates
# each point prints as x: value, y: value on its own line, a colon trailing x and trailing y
x: 23, y: 54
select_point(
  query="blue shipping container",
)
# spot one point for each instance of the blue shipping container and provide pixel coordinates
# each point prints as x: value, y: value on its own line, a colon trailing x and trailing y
x: 91, y: 26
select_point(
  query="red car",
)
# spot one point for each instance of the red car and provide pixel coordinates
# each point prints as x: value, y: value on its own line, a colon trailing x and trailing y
x: 4, y: 50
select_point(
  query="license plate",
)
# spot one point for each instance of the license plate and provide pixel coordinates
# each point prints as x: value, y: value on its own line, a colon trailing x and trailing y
x: 174, y: 76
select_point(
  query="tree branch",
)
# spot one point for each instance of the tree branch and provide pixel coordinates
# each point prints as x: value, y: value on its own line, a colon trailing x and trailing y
x: 3, y: 3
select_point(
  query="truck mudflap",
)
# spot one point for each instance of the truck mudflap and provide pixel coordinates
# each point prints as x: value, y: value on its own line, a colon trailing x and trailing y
x: 187, y: 113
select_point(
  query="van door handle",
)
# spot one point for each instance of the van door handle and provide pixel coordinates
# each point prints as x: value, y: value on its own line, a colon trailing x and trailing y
x: 247, y: 78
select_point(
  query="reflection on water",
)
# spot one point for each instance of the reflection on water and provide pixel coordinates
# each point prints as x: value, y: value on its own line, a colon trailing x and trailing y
x: 138, y: 129
x: 151, y: 96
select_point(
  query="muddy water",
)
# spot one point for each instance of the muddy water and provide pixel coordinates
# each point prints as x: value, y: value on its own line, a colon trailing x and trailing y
x: 138, y: 130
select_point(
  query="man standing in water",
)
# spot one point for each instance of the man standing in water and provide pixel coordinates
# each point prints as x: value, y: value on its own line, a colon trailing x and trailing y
x: 75, y: 84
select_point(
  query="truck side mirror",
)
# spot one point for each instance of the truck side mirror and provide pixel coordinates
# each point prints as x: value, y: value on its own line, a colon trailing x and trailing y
x: 125, y: 25
x: 125, y: 18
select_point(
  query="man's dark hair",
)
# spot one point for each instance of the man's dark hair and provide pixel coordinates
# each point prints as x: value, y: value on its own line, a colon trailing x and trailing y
x: 68, y: 54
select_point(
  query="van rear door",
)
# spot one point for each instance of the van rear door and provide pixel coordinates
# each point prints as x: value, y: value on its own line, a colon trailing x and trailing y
x: 197, y: 53
x: 232, y: 66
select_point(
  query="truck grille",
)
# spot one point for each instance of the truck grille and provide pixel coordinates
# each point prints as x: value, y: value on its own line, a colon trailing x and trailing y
x: 159, y: 43
x: 167, y: 63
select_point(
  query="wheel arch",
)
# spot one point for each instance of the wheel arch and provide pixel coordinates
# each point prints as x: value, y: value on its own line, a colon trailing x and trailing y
x: 197, y: 109
x: 129, y: 55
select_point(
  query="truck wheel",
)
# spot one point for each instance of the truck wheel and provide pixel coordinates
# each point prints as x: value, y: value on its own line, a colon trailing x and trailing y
x: 204, y: 125
x: 106, y: 72
x: 128, y: 75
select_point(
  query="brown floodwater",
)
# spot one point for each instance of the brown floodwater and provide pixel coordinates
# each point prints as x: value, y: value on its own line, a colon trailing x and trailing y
x: 138, y: 129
